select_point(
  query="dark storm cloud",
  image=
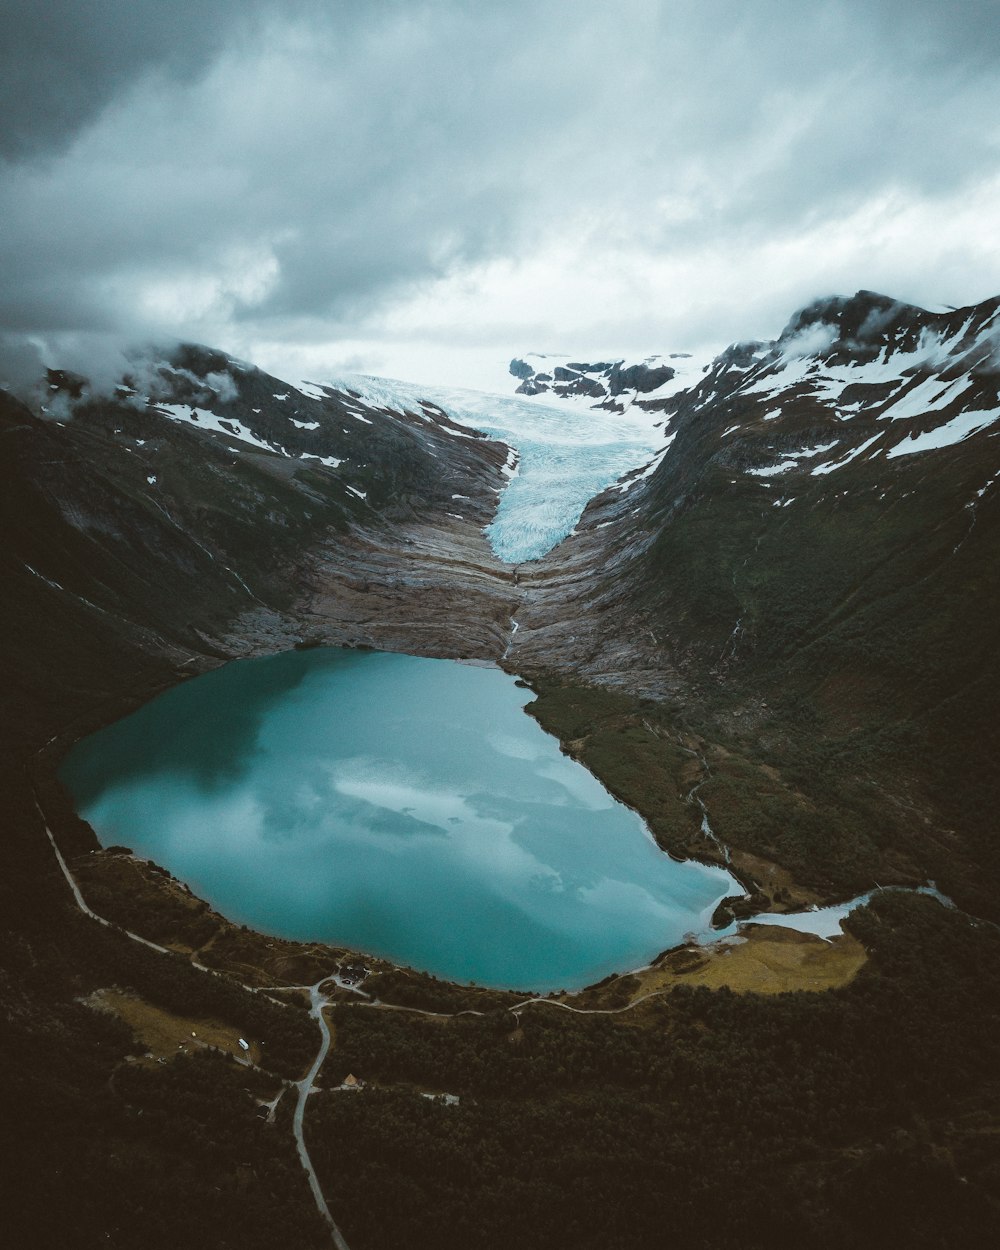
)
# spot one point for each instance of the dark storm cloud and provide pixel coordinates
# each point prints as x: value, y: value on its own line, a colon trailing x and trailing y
x: 271, y: 167
x: 355, y: 153
x: 61, y: 61
x: 964, y: 32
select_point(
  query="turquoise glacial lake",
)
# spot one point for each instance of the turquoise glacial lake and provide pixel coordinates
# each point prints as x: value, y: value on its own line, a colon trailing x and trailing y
x: 400, y: 806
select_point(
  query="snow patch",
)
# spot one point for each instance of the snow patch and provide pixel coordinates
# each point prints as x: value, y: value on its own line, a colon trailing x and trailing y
x: 929, y: 395
x: 185, y: 414
x: 331, y: 462
x: 788, y: 372
x: 791, y: 460
x: 311, y: 390
x: 953, y: 431
x: 830, y: 465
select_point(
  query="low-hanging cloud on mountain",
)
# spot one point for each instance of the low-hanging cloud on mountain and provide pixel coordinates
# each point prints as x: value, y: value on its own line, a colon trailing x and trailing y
x: 269, y: 173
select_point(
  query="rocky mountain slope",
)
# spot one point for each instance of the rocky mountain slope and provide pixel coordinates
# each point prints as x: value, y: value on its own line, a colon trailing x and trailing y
x: 809, y: 572
x: 158, y: 517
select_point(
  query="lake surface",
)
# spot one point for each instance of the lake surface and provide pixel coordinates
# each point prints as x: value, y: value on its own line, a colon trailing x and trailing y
x: 402, y: 806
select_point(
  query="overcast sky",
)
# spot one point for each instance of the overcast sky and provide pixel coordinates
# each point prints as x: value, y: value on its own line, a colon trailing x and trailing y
x: 425, y: 189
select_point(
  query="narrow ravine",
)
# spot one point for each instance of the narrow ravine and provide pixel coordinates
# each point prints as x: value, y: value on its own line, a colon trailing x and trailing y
x: 695, y: 798
x: 510, y: 640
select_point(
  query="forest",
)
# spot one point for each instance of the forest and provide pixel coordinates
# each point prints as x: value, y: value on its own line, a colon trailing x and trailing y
x: 857, y: 1117
x: 84, y: 1121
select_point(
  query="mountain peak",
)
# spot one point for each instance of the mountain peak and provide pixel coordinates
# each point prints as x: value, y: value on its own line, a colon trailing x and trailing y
x: 865, y: 319
x: 863, y: 327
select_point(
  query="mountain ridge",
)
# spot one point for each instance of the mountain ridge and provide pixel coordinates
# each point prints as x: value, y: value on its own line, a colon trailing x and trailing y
x: 810, y: 567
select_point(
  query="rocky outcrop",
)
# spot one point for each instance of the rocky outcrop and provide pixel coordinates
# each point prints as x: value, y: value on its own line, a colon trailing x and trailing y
x: 642, y: 379
x: 593, y: 381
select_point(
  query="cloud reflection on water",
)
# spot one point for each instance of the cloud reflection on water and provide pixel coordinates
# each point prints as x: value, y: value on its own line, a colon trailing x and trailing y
x: 395, y: 804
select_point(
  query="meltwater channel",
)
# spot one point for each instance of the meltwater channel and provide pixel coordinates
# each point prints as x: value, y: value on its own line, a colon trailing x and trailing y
x: 402, y: 806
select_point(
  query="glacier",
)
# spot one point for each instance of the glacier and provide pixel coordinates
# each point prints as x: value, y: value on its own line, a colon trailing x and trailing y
x: 566, y: 454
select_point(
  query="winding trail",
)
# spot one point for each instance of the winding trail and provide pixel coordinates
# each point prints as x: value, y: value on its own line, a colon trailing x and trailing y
x: 514, y: 1007
x: 318, y: 1001
x: 589, y: 1011
x: 81, y: 902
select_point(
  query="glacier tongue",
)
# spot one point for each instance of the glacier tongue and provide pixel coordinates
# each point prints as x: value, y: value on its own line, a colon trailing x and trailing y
x: 566, y: 455
x: 566, y: 458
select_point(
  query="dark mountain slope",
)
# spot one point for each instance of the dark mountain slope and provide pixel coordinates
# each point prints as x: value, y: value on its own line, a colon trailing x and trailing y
x: 146, y: 537
x: 814, y: 563
x: 138, y: 526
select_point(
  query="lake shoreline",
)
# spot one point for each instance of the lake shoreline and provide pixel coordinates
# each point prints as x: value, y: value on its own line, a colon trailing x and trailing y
x: 399, y: 804
x: 273, y: 957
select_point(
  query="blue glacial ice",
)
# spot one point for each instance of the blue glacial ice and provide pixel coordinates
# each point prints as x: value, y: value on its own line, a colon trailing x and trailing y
x: 566, y: 454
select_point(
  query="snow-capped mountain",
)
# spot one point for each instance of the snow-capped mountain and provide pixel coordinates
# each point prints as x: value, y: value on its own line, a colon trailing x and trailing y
x: 201, y: 491
x: 863, y: 411
x: 861, y: 377
x: 930, y: 376
x: 376, y: 454
x: 815, y: 554
x: 772, y: 632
